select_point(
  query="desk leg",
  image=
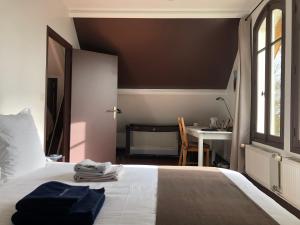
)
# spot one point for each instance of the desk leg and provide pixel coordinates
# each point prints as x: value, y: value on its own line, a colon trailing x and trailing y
x: 200, y: 151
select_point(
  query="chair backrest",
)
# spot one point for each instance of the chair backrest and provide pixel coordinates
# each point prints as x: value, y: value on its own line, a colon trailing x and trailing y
x: 183, y: 133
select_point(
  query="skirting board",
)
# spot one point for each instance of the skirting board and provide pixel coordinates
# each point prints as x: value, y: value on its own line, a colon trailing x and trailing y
x: 155, y: 13
x: 122, y: 91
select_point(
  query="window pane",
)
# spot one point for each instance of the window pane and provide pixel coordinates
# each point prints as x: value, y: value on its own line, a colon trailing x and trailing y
x: 276, y: 24
x: 262, y: 35
x: 275, y: 89
x: 260, y: 123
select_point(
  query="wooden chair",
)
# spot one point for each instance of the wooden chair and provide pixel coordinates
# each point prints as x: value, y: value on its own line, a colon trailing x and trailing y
x: 186, y: 146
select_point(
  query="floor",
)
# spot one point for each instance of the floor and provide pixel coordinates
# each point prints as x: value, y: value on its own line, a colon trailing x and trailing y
x: 125, y: 158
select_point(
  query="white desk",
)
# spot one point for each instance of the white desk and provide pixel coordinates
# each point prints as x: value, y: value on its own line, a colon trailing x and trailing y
x: 206, y: 135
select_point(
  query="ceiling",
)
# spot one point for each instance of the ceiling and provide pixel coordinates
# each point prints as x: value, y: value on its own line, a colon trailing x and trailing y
x: 163, y: 43
x: 165, y: 53
x: 160, y: 8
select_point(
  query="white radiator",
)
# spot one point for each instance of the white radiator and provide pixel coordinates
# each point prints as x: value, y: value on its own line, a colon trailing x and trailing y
x: 263, y: 166
x: 291, y: 180
x: 156, y: 143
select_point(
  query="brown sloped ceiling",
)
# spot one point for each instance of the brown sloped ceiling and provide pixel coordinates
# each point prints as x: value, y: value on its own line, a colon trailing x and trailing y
x: 165, y: 53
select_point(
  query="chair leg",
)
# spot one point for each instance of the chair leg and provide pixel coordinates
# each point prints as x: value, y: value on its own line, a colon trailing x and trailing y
x: 180, y: 157
x: 184, y: 157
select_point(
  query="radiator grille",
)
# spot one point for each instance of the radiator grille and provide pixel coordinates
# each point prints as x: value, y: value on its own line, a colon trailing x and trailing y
x: 291, y: 181
x: 262, y: 166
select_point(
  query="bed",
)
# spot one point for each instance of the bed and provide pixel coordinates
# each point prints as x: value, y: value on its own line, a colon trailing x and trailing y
x: 130, y: 201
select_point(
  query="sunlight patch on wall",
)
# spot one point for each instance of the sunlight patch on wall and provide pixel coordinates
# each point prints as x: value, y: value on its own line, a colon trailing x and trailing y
x: 77, y: 142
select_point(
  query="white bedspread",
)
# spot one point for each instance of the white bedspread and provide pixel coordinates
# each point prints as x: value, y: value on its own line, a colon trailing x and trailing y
x: 129, y: 201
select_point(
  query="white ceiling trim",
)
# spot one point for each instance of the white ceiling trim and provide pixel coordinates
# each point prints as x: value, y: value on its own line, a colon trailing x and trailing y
x: 125, y: 91
x: 155, y: 13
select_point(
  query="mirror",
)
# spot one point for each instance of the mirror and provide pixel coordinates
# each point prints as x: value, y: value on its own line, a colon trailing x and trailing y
x: 55, y: 95
x: 58, y: 92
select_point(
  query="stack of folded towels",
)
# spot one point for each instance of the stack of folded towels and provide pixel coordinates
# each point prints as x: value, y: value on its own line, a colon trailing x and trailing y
x: 59, y: 204
x: 90, y: 171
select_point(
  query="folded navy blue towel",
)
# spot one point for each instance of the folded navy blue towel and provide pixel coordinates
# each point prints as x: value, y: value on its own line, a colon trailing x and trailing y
x: 83, y: 212
x: 52, y: 197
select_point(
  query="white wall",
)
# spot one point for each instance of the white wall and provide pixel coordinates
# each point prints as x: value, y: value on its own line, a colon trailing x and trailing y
x: 145, y: 106
x: 164, y: 106
x: 23, y: 53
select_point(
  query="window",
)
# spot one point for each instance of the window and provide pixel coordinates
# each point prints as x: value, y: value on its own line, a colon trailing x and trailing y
x: 295, y: 106
x: 268, y: 75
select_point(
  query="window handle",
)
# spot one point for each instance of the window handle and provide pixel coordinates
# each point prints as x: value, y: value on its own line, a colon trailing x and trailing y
x: 262, y: 93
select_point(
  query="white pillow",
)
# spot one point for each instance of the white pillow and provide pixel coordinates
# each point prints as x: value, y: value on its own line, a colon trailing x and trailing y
x: 20, y: 147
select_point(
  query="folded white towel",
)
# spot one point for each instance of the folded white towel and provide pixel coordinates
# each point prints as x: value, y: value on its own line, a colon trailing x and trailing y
x: 88, y: 165
x: 112, y: 174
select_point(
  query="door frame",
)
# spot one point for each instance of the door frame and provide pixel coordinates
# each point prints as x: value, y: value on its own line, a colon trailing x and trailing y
x: 67, y: 90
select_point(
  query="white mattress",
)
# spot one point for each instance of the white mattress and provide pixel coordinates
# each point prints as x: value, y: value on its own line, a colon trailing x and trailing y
x: 131, y: 200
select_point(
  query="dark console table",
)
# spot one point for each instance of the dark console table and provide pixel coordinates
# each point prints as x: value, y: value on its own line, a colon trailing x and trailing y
x: 150, y: 128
